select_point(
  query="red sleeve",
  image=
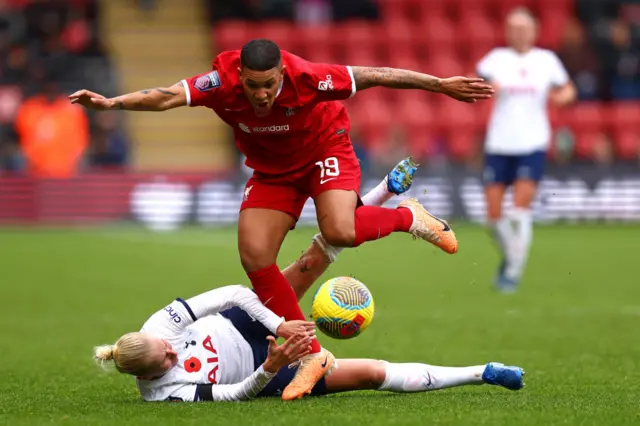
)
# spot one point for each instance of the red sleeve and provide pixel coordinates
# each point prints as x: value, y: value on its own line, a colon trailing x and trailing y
x: 203, y: 89
x: 328, y: 82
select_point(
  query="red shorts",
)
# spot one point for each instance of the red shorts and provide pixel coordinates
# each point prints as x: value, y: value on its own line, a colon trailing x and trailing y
x: 337, y: 167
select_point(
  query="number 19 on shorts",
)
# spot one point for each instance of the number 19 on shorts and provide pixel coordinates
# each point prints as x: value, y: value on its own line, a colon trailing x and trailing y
x: 329, y: 169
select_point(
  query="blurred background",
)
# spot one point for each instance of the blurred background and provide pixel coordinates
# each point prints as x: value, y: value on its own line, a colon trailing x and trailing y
x: 61, y: 163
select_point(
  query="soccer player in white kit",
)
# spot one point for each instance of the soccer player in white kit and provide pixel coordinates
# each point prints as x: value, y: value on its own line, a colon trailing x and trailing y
x: 525, y: 78
x: 220, y: 345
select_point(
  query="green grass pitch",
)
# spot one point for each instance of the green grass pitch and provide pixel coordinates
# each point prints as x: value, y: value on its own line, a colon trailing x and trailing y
x: 574, y: 326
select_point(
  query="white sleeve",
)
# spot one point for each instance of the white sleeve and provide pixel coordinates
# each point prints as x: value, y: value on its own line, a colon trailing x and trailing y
x: 182, y: 313
x: 559, y: 75
x: 243, y: 391
x: 486, y: 66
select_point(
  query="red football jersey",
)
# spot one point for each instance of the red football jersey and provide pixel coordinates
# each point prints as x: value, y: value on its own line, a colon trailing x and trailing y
x: 305, y: 118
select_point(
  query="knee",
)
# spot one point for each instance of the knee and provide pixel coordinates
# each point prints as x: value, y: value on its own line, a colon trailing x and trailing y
x: 254, y: 256
x: 340, y: 234
x: 494, y: 211
x: 312, y: 260
x: 378, y: 374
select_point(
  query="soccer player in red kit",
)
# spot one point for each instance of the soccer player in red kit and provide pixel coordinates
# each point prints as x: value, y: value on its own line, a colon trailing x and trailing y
x: 288, y: 122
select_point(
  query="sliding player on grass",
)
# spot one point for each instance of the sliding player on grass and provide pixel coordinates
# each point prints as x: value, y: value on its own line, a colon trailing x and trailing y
x: 220, y: 346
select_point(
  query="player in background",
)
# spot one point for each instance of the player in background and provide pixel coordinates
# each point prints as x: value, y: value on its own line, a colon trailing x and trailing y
x: 525, y: 79
x: 288, y: 122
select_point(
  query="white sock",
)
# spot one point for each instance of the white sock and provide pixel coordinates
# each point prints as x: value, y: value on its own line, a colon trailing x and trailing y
x: 523, y: 219
x: 414, y: 377
x: 504, y: 234
x: 376, y: 197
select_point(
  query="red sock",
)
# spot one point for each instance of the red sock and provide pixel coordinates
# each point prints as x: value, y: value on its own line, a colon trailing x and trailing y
x: 274, y: 291
x: 374, y: 222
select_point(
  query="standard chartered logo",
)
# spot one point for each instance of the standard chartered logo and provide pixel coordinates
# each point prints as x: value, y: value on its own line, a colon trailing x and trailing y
x: 266, y: 129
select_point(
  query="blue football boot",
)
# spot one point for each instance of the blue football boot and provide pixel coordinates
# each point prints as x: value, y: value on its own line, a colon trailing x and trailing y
x: 399, y: 180
x: 498, y: 374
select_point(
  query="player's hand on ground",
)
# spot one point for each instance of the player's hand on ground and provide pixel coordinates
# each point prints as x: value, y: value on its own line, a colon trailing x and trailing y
x: 294, y: 348
x: 289, y: 328
x: 91, y: 100
x: 466, y: 89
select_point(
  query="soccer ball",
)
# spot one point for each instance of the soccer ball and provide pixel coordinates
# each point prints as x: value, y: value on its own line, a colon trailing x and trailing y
x: 342, y: 308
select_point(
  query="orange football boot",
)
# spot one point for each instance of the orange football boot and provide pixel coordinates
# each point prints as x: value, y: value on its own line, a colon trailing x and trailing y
x: 430, y: 228
x: 311, y: 369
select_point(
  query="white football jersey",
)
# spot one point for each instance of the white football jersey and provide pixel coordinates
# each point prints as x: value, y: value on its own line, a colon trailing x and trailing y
x: 211, y: 351
x: 519, y: 121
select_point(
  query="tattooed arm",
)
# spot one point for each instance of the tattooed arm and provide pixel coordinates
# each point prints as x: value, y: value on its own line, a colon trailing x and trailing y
x: 158, y: 99
x: 367, y: 77
x: 460, y: 88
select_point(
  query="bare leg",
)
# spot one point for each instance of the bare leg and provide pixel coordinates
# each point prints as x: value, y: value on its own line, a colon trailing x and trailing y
x: 494, y: 194
x: 306, y: 270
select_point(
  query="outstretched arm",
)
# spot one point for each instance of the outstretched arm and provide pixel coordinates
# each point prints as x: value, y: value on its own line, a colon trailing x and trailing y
x: 460, y: 88
x: 158, y: 99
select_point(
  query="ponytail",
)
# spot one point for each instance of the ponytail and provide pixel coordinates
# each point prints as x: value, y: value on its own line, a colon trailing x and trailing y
x: 130, y: 354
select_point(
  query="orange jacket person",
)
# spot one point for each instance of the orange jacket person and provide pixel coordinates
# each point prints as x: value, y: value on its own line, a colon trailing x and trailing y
x: 53, y: 134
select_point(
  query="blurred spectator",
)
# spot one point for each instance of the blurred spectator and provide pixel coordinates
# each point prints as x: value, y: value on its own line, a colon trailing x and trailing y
x: 10, y: 156
x: 221, y: 9
x: 579, y: 60
x: 12, y: 25
x: 625, y: 62
x: 109, y: 147
x: 355, y: 9
x: 301, y: 10
x: 250, y: 9
x: 602, y: 150
x: 313, y: 11
x: 565, y: 145
x: 52, y: 133
x: 273, y: 9
x: 42, y: 41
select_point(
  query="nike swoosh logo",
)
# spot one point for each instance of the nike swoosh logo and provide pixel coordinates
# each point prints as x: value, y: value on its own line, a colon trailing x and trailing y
x: 322, y: 182
x: 430, y: 381
x: 268, y: 300
x: 324, y: 364
x: 446, y: 227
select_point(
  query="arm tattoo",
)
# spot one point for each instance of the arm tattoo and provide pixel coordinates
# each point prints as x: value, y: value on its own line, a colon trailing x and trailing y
x: 366, y: 77
x: 159, y: 89
x: 151, y: 99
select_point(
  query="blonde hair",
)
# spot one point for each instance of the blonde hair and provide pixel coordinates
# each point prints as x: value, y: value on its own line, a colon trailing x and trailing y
x: 522, y: 11
x: 130, y: 354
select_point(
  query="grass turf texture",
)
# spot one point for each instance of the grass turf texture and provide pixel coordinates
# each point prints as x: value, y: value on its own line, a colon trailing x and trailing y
x: 574, y: 326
